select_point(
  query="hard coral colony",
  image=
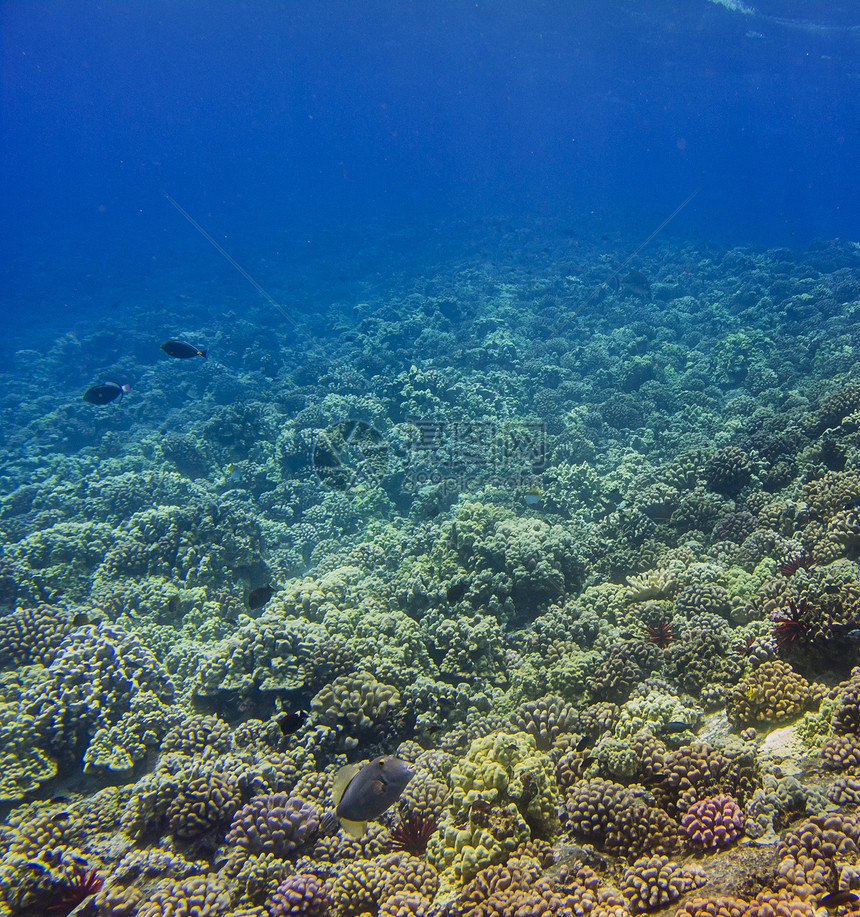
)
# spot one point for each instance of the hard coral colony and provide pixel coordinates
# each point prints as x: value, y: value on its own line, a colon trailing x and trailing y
x: 634, y: 693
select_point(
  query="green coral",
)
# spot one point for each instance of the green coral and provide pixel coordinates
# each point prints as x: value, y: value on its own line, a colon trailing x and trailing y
x: 541, y: 561
x: 103, y: 692
x: 460, y: 852
x: 139, y: 729
x: 575, y: 491
x: 389, y: 643
x: 739, y: 351
x: 742, y: 585
x: 67, y: 553
x: 23, y: 770
x: 503, y: 793
x: 268, y: 654
x: 654, y: 712
x: 569, y: 675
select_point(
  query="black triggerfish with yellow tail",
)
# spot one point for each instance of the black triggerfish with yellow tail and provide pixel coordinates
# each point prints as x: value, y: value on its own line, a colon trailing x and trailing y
x: 363, y: 793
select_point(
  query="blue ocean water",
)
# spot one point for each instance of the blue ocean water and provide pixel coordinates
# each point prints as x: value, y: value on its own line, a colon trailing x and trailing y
x: 304, y: 134
x: 521, y: 386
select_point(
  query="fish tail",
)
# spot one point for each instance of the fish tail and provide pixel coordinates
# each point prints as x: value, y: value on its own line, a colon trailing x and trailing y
x: 203, y: 353
x: 355, y: 829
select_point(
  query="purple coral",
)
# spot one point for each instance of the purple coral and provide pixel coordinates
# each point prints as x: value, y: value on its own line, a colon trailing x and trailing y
x: 713, y: 822
x: 302, y: 894
x: 275, y: 824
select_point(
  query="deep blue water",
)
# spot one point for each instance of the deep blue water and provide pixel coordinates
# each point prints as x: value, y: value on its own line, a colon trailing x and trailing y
x: 304, y: 133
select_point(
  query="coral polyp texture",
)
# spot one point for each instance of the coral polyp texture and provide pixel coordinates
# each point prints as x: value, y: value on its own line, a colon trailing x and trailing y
x: 716, y: 821
x: 589, y: 567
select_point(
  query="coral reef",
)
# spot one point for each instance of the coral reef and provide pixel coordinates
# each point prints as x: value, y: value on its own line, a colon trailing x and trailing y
x: 595, y: 572
x: 717, y: 821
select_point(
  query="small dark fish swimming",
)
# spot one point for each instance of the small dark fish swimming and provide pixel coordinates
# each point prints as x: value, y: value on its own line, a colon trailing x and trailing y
x: 673, y: 727
x: 105, y: 392
x: 364, y: 793
x: 182, y: 350
x: 292, y: 721
x: 838, y: 899
x: 258, y: 597
x: 456, y: 592
x: 634, y: 282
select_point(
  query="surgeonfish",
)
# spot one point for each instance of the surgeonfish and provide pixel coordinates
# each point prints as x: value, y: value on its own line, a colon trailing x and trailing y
x: 182, y: 350
x: 362, y: 793
x: 105, y: 392
x: 258, y: 597
x: 291, y: 721
x: 839, y: 898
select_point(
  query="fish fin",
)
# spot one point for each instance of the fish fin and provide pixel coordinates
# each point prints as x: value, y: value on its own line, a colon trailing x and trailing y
x: 356, y: 829
x: 377, y: 787
x: 203, y: 354
x: 342, y: 780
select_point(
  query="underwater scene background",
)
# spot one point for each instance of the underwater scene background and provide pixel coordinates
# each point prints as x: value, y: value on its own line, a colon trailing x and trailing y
x: 466, y: 389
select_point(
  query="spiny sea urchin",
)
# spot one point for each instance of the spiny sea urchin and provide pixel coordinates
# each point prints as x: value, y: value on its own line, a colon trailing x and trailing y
x: 788, y: 630
x: 660, y: 634
x: 799, y: 562
x: 70, y: 889
x: 412, y: 832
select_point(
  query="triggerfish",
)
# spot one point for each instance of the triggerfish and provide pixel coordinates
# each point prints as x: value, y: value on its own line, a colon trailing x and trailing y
x: 363, y: 793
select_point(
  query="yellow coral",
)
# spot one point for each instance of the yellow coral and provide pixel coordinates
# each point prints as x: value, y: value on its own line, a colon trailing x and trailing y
x: 502, y: 790
x: 650, y: 585
x: 24, y: 771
